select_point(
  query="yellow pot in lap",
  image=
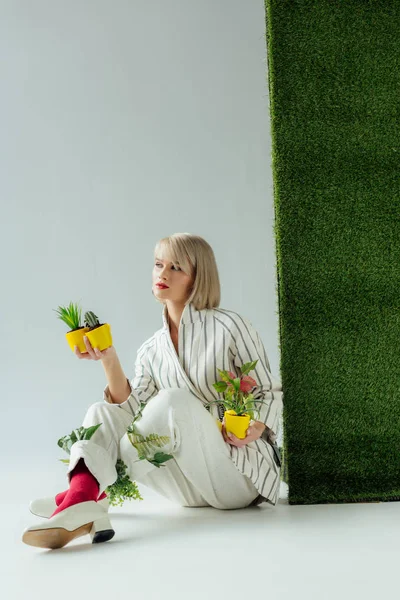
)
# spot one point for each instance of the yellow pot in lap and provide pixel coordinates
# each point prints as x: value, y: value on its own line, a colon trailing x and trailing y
x: 236, y: 424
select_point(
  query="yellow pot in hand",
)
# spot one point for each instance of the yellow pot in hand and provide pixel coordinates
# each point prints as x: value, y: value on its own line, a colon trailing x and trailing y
x: 75, y: 338
x: 100, y: 337
x: 236, y: 424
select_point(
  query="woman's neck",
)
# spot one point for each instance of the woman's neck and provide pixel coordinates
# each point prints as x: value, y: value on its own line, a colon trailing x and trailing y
x: 174, y: 314
x: 172, y: 327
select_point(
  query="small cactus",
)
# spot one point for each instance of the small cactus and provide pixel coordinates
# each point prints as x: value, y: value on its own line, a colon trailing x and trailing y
x: 91, y: 320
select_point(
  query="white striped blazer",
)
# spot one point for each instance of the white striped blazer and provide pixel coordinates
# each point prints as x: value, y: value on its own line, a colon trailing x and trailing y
x: 211, y: 339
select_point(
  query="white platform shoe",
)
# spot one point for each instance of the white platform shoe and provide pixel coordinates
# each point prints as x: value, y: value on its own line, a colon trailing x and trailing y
x: 44, y: 507
x: 72, y: 522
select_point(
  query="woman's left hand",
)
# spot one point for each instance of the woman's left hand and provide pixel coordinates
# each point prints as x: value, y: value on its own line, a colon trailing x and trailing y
x: 254, y: 431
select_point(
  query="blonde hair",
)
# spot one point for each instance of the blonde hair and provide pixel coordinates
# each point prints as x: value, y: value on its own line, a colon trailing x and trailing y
x: 196, y: 258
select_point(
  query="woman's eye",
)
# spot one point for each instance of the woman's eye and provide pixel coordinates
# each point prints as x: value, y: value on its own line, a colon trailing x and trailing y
x: 160, y: 265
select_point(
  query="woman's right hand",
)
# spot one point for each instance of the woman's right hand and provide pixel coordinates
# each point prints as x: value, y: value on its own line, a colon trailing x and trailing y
x: 94, y: 353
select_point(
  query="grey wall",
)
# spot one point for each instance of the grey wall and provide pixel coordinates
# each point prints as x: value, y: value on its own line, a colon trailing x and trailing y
x: 122, y: 122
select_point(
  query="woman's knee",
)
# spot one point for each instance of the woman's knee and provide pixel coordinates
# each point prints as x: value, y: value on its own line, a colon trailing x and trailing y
x: 97, y: 408
x: 100, y: 410
x: 110, y: 416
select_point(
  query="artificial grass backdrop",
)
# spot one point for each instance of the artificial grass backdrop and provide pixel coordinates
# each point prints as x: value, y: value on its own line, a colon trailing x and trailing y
x: 334, y: 83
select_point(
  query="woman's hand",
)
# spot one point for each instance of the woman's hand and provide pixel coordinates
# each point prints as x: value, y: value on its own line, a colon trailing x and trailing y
x: 94, y: 353
x: 254, y: 431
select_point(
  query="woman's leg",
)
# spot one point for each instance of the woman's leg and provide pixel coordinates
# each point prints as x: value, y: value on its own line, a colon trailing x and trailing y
x: 202, y: 472
x: 170, y: 482
x: 100, y: 453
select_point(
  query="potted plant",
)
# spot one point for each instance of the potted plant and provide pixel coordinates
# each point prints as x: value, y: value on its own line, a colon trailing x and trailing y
x: 237, y: 400
x: 99, y: 334
x: 71, y: 315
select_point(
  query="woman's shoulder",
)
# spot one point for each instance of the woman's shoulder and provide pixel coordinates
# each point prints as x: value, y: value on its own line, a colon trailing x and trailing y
x: 147, y: 345
x: 231, y: 318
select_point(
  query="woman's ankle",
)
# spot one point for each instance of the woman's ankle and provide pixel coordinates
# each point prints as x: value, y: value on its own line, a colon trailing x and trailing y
x: 60, y: 497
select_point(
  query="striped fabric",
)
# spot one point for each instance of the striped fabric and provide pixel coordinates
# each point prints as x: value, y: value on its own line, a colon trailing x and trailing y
x: 212, y: 339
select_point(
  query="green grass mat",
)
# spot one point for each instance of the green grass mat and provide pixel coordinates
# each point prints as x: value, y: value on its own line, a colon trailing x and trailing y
x: 334, y: 83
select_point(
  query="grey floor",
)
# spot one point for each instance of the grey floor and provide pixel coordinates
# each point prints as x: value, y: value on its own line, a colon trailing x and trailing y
x: 164, y: 551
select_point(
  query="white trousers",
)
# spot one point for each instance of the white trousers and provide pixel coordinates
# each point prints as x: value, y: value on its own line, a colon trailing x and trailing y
x: 201, y: 472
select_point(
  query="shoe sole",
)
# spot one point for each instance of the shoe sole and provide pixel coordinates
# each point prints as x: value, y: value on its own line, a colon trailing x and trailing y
x: 58, y: 537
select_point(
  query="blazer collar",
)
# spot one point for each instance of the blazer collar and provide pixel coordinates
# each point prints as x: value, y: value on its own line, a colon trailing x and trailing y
x: 189, y: 315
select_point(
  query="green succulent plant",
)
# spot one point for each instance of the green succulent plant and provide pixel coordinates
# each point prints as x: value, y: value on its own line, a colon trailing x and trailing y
x: 70, y: 315
x: 91, y: 320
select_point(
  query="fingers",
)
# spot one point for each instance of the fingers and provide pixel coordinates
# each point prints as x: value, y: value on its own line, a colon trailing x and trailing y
x: 223, y: 432
x: 79, y: 354
x: 91, y: 354
x: 225, y: 436
x: 234, y: 441
x: 89, y: 348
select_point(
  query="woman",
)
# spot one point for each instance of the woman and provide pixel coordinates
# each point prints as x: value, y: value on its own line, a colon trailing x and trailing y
x: 174, y: 372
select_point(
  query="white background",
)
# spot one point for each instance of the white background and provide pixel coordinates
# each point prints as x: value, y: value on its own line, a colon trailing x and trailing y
x: 121, y: 123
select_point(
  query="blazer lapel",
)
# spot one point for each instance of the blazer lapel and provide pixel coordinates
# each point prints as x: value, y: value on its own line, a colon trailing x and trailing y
x: 182, y: 371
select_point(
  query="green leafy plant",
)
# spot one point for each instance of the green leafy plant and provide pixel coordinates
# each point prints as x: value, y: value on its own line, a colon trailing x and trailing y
x: 123, y: 488
x: 71, y: 315
x: 146, y: 446
x: 82, y: 433
x: 238, y: 397
x: 236, y: 391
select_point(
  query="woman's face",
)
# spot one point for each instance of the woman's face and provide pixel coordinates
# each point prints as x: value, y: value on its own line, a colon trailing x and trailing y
x: 179, y: 283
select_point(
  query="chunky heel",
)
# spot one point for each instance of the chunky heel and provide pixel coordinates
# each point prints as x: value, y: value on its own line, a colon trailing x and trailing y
x: 101, y: 530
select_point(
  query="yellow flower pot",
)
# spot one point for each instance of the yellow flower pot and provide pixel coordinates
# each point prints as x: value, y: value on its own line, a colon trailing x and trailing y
x: 236, y: 424
x: 75, y: 338
x: 100, y: 337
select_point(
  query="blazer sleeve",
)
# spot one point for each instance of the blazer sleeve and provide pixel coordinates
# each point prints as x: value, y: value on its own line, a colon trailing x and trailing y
x: 247, y: 346
x: 142, y: 385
